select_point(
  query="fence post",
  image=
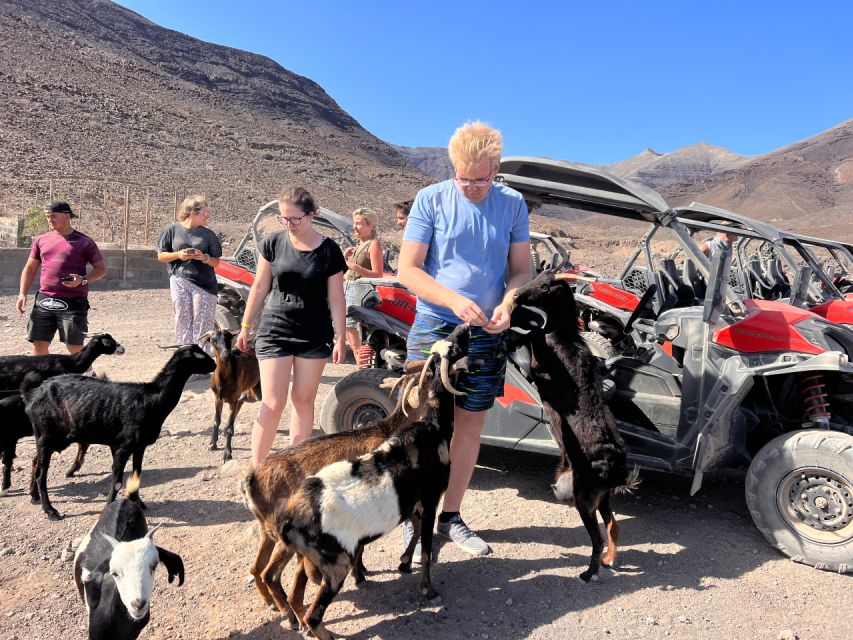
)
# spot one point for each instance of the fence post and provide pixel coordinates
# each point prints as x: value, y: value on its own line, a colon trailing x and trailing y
x: 176, y: 206
x: 147, y: 215
x: 50, y: 190
x: 126, y: 230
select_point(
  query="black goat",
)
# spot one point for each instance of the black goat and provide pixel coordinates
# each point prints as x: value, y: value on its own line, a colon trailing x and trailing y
x: 15, y: 424
x: 14, y: 368
x: 114, y: 569
x: 127, y: 416
x: 593, y: 463
x: 345, y: 505
x: 237, y: 379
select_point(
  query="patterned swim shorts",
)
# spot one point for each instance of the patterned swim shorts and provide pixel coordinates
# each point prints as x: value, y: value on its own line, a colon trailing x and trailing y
x: 482, y: 385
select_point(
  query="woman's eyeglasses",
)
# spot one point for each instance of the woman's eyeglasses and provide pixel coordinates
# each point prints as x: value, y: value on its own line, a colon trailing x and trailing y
x: 294, y: 221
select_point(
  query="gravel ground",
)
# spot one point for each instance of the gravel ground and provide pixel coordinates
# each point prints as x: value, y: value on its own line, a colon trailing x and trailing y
x: 688, y: 568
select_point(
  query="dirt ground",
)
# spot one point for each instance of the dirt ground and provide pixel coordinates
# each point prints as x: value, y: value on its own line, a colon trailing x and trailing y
x: 688, y: 568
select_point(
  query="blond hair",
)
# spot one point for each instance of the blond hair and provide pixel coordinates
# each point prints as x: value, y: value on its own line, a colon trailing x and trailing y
x: 368, y: 214
x: 191, y: 205
x: 474, y: 142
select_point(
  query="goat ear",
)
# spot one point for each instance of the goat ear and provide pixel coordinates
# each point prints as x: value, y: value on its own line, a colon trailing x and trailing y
x: 460, y: 365
x: 173, y: 563
x: 150, y: 534
x: 92, y: 589
x: 415, y: 366
x: 113, y: 542
x: 205, y: 337
x: 389, y: 382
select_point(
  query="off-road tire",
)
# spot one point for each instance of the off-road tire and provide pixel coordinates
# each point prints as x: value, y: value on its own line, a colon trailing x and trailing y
x: 600, y: 346
x: 796, y: 477
x: 225, y: 319
x: 355, y: 401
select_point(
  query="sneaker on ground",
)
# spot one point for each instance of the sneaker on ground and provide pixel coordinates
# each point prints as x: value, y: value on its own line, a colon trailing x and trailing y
x: 408, y: 532
x: 457, y: 531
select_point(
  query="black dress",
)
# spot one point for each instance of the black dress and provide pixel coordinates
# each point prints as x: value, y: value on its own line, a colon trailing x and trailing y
x: 296, y: 320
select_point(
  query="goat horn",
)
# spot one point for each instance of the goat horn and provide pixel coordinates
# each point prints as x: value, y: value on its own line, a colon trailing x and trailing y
x: 390, y: 384
x: 574, y: 276
x: 445, y: 378
x: 424, y: 370
x: 538, y: 312
x: 150, y: 534
x: 405, y: 395
x: 169, y: 346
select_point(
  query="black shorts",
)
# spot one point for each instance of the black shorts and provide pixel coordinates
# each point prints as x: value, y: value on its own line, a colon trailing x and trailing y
x: 69, y: 316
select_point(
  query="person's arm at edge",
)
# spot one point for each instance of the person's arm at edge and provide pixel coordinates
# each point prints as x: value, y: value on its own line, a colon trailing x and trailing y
x: 99, y: 270
x: 337, y: 306
x: 257, y: 295
x: 28, y: 275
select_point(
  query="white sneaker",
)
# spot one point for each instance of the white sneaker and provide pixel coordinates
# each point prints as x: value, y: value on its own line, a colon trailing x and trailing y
x: 457, y: 531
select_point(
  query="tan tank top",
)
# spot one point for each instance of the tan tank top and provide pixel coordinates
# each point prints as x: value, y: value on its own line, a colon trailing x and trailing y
x: 362, y: 258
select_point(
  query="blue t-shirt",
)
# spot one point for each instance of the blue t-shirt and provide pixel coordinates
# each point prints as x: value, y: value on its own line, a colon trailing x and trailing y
x: 468, y: 242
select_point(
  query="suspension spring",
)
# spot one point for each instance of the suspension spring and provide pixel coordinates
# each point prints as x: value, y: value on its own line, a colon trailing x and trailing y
x: 816, y: 404
x: 365, y: 356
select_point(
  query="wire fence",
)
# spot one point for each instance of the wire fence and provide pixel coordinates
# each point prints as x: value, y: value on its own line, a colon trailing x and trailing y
x: 116, y: 212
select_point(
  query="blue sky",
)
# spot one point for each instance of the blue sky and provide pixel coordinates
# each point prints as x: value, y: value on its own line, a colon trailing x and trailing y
x: 588, y: 82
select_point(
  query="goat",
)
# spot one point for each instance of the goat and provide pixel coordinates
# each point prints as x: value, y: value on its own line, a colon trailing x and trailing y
x: 593, y: 463
x: 345, y: 505
x: 237, y: 379
x: 271, y: 484
x: 16, y: 425
x: 114, y: 569
x: 14, y: 368
x: 127, y: 416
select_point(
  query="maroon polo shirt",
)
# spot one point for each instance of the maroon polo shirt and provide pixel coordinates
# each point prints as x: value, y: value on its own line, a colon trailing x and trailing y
x: 61, y: 256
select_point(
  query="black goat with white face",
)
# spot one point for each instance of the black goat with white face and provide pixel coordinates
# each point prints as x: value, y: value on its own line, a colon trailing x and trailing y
x: 348, y: 504
x: 593, y: 463
x: 114, y: 569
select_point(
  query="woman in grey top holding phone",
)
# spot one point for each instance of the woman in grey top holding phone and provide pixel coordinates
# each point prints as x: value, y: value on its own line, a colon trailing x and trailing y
x: 192, y: 251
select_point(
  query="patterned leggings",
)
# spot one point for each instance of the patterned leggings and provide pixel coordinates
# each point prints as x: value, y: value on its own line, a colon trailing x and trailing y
x: 195, y: 310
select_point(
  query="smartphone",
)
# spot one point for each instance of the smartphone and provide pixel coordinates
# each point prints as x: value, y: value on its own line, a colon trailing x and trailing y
x: 67, y: 278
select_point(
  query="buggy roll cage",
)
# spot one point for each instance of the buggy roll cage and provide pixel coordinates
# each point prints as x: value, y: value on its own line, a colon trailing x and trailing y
x: 545, y: 181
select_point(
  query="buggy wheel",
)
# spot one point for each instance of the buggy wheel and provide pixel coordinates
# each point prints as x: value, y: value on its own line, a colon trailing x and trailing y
x: 799, y: 490
x: 600, y: 346
x: 225, y: 319
x: 356, y: 401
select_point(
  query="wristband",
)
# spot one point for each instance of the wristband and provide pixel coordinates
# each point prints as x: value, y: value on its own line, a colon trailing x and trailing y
x: 245, y: 325
x: 84, y: 281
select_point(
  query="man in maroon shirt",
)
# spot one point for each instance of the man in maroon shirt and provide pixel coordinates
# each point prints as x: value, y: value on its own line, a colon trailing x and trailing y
x: 62, y: 300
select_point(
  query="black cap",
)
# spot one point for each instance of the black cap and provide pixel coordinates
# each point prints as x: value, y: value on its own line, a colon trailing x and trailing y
x: 59, y: 206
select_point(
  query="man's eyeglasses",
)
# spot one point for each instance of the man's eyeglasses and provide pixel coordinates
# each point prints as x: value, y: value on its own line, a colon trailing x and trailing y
x: 294, y: 221
x: 479, y: 182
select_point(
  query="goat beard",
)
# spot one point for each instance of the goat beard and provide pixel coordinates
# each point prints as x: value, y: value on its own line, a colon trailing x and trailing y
x: 564, y: 487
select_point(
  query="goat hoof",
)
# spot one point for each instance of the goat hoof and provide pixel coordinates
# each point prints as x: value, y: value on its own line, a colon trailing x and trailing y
x: 53, y: 515
x: 405, y: 567
x: 34, y: 500
x: 226, y: 457
x: 213, y: 447
x: 588, y: 576
x: 70, y: 473
x: 431, y: 596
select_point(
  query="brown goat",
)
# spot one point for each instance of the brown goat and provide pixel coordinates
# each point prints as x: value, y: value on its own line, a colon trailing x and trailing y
x: 237, y: 379
x: 271, y: 484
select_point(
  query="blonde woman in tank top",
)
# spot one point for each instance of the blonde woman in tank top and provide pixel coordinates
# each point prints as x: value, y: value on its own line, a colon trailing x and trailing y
x: 363, y: 261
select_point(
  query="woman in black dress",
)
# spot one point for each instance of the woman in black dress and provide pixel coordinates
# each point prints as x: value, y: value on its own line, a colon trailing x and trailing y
x: 300, y: 276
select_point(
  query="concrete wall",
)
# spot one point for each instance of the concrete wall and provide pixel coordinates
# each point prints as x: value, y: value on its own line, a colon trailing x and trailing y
x: 10, y: 229
x: 143, y: 269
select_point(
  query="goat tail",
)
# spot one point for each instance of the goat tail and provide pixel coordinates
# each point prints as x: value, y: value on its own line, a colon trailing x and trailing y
x: 131, y: 490
x: 248, y: 487
x: 632, y: 481
x: 30, y: 383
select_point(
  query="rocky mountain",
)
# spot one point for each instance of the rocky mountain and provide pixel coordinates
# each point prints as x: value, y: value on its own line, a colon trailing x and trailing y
x: 682, y: 165
x: 95, y: 96
x: 432, y: 161
x: 806, y: 186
